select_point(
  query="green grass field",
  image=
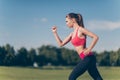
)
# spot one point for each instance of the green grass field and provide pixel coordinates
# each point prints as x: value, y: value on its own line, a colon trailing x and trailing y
x: 20, y: 73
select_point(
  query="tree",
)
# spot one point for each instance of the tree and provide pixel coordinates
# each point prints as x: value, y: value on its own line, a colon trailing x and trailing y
x: 9, y: 55
x: 118, y: 59
x: 113, y: 58
x: 2, y: 55
x: 70, y: 57
x: 47, y: 55
x: 21, y: 57
x: 31, y: 56
x: 105, y: 61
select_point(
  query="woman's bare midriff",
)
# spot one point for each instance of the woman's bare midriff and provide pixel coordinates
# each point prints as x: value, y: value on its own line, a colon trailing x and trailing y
x: 80, y: 49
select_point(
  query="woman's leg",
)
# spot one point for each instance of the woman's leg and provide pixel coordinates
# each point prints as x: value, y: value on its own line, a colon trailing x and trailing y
x: 93, y: 71
x: 81, y: 67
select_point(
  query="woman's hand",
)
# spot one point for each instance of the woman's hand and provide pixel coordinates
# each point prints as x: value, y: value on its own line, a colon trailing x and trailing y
x: 86, y: 51
x: 54, y: 29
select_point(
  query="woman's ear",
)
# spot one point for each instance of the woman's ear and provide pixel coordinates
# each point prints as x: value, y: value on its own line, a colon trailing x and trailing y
x: 73, y: 20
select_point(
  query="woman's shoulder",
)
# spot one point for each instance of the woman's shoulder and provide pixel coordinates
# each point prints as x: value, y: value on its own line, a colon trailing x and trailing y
x: 80, y: 29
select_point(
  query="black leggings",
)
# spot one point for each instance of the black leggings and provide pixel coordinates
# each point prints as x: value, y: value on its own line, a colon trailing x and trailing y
x: 89, y: 64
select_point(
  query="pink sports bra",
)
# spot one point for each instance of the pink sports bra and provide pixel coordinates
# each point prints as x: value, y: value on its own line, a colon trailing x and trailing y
x: 76, y: 41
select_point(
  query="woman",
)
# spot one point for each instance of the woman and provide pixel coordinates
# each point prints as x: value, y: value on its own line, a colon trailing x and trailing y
x: 78, y: 39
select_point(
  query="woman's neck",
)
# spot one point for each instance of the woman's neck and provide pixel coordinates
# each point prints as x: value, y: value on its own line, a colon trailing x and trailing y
x: 75, y: 26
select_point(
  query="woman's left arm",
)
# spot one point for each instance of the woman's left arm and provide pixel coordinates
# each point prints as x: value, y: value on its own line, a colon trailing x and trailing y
x: 92, y: 35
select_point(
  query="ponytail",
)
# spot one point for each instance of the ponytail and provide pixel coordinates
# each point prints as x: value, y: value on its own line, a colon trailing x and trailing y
x: 80, y: 20
x: 80, y: 23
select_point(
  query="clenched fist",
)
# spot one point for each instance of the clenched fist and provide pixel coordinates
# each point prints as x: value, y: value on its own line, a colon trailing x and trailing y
x: 54, y: 29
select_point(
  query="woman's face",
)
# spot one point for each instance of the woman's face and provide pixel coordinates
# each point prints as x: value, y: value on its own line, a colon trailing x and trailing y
x: 69, y: 22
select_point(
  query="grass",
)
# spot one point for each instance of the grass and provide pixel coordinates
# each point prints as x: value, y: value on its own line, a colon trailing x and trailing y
x: 21, y: 73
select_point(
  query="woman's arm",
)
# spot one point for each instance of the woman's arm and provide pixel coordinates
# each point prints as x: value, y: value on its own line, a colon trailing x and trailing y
x: 59, y: 41
x: 93, y: 36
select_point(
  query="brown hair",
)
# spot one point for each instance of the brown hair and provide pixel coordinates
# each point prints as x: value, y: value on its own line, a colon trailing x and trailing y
x: 78, y: 18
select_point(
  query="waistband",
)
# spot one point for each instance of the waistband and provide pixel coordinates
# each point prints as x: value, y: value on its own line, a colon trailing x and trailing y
x: 82, y: 55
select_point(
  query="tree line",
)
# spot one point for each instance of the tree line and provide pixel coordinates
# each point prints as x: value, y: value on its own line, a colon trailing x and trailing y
x: 51, y: 55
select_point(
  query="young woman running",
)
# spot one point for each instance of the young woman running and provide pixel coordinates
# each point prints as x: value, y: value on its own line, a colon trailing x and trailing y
x: 78, y: 39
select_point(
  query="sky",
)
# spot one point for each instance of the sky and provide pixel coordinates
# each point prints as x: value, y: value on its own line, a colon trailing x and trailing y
x: 28, y: 23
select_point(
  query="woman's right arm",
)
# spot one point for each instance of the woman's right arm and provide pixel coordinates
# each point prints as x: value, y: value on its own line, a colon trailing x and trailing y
x: 59, y: 41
